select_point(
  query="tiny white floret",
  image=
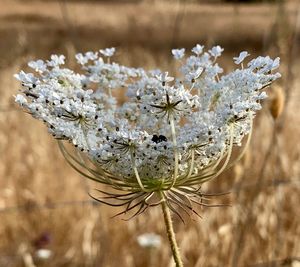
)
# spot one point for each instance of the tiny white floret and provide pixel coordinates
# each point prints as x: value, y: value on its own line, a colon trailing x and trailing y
x: 238, y: 60
x: 108, y: 52
x: 198, y: 49
x: 178, y: 53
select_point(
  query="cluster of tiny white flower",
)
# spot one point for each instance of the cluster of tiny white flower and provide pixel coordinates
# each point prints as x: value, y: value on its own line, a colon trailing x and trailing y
x: 169, y: 136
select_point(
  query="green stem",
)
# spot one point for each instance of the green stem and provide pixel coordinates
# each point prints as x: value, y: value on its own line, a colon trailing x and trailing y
x: 170, y: 231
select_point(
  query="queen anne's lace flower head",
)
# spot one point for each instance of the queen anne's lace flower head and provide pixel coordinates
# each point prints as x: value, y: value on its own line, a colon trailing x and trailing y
x: 170, y: 136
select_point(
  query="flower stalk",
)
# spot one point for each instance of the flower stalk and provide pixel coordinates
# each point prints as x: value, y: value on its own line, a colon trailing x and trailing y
x: 173, y: 131
x: 170, y: 231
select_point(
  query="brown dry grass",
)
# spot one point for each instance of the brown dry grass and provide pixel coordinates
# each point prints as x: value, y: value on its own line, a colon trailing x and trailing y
x: 261, y: 226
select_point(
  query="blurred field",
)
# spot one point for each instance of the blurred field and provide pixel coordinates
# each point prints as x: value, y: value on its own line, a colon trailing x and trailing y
x: 44, y: 203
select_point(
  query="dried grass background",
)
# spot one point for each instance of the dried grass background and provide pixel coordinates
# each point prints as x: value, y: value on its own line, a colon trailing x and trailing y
x: 41, y: 195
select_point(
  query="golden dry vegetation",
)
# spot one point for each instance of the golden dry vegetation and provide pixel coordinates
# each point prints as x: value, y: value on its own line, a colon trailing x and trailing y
x: 44, y: 203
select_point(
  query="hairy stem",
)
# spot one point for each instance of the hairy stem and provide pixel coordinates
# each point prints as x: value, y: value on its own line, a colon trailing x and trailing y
x: 170, y: 231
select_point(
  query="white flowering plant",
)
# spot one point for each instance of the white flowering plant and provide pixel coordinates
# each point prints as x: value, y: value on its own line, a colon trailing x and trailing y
x: 170, y: 135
